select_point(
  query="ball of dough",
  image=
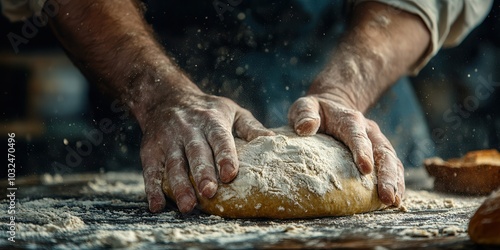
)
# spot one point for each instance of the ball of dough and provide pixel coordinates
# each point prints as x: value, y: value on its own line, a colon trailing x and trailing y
x: 288, y: 176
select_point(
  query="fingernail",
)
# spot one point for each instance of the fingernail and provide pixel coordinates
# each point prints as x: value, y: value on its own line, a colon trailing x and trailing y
x: 397, y: 202
x: 185, y: 203
x: 364, y: 169
x: 208, y: 188
x: 268, y: 133
x: 365, y: 164
x: 227, y: 172
x: 154, y: 206
x: 387, y: 194
x: 305, y: 126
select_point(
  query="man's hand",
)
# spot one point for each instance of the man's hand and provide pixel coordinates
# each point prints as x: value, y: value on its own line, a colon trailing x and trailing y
x: 192, y: 132
x: 184, y: 129
x: 370, y: 148
x: 381, y: 45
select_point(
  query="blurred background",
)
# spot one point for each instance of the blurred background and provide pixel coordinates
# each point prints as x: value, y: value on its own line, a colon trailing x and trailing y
x: 56, y: 113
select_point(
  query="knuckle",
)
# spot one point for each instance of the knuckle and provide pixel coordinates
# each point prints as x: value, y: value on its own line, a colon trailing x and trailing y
x: 249, y: 121
x: 253, y: 124
x: 152, y: 186
x: 358, y: 135
x: 205, y: 113
x: 202, y: 171
x: 152, y: 173
x: 218, y: 133
x: 178, y: 181
x: 225, y: 154
x: 385, y: 149
x: 224, y: 100
x: 151, y: 148
x: 347, y: 120
x: 350, y: 114
x: 174, y: 163
x: 210, y: 113
x: 245, y: 114
x: 303, y: 103
x: 384, y: 153
x: 147, y: 144
x: 180, y: 190
x: 303, y: 99
x: 371, y: 123
x: 195, y: 147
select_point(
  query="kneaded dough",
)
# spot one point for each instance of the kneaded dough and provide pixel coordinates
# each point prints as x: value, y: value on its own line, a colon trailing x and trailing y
x: 288, y: 176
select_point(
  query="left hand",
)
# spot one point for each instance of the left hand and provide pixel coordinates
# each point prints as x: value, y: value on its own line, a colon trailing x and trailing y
x: 370, y: 148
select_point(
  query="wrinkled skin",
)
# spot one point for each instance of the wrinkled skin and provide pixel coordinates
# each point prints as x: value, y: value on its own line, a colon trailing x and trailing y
x: 370, y: 148
x: 193, y: 133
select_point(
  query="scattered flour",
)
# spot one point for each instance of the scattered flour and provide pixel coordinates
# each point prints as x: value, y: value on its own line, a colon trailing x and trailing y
x: 417, y: 232
x: 452, y: 230
x: 117, y: 239
x: 52, y: 221
x: 48, y: 179
x: 102, y: 186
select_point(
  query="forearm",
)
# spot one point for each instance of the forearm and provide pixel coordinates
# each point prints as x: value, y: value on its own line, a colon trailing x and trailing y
x: 381, y: 45
x: 115, y: 48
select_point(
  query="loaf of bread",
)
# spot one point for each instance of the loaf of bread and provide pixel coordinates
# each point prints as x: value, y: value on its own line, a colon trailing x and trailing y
x: 484, y: 226
x: 477, y: 173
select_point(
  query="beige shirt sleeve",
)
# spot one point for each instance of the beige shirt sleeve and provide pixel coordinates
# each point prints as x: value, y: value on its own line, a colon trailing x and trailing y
x: 449, y: 21
x: 17, y: 10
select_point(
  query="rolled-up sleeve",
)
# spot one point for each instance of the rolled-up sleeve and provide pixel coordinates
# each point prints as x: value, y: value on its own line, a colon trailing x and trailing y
x: 17, y: 10
x: 448, y: 21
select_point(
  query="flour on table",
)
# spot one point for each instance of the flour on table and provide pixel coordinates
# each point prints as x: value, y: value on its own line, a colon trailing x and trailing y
x: 94, y: 221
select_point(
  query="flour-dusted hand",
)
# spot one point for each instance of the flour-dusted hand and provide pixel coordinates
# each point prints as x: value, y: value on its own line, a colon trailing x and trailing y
x: 192, y: 131
x: 185, y: 131
x: 370, y: 148
x: 381, y: 45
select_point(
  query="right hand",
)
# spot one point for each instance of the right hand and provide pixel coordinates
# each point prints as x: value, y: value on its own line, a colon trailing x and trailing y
x: 190, y: 131
x: 370, y: 148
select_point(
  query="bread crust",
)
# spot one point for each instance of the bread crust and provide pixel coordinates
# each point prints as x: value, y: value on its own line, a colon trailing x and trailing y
x: 484, y: 226
x: 477, y: 173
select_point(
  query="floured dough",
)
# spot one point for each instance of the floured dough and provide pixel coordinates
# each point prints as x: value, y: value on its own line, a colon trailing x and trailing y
x: 287, y: 176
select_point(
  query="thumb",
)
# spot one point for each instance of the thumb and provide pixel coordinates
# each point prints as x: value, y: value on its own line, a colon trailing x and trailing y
x: 304, y: 116
x: 247, y: 127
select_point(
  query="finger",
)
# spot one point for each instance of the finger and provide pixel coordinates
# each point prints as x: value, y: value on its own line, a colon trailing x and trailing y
x: 178, y: 180
x: 201, y: 162
x: 387, y: 164
x: 152, y: 172
x: 350, y: 127
x: 247, y: 127
x: 304, y: 116
x: 222, y: 142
